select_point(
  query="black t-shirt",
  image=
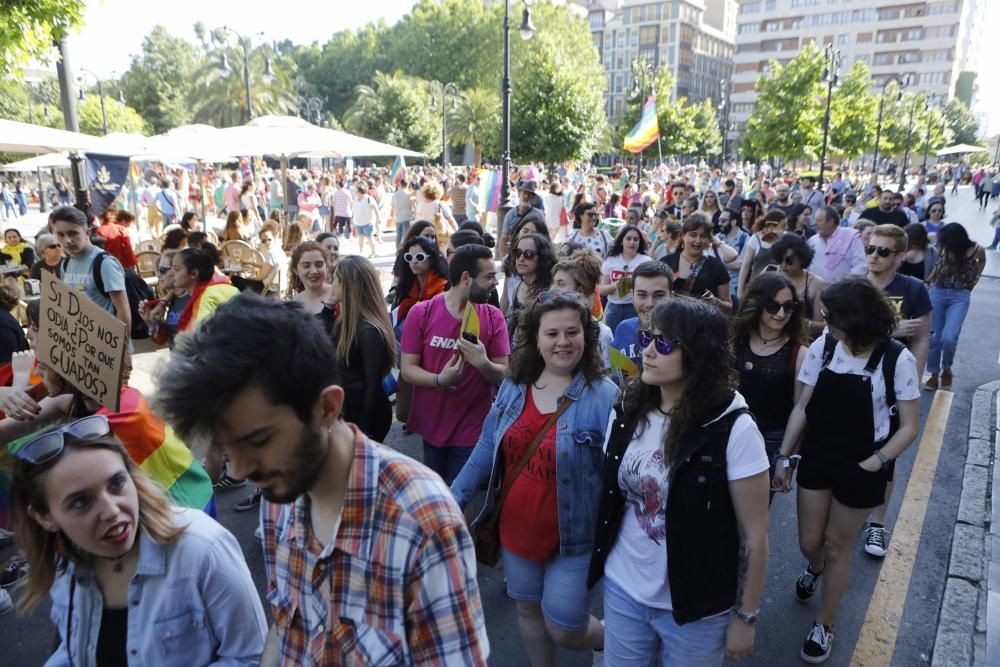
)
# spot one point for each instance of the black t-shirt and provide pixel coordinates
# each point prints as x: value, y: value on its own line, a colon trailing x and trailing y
x: 880, y: 217
x: 711, y: 276
x: 909, y: 297
x: 112, y: 638
x: 11, y: 337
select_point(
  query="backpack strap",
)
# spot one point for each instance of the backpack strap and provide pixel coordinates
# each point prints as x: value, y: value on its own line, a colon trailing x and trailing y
x: 829, y: 347
x: 96, y: 268
x: 888, y: 353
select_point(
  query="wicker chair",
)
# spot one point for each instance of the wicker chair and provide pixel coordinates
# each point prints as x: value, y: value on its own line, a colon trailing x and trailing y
x: 149, y: 245
x: 240, y: 252
x: 147, y: 264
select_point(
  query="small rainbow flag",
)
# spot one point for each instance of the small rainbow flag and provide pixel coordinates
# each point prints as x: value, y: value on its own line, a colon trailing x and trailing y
x: 646, y: 131
x: 398, y: 171
x: 622, y: 365
x: 489, y: 189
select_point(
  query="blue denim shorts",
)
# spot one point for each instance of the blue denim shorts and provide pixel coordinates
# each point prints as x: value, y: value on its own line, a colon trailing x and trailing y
x: 560, y: 583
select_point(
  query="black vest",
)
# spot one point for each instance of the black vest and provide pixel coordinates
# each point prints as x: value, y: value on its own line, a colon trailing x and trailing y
x: 702, y: 535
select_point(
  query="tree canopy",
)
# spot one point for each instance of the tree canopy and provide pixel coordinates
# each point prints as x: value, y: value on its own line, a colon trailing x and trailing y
x: 28, y: 29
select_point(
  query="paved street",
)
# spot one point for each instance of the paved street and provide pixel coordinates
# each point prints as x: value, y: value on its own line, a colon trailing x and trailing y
x: 784, y: 620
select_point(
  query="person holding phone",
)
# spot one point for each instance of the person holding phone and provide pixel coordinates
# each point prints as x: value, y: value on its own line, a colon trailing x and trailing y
x: 696, y: 272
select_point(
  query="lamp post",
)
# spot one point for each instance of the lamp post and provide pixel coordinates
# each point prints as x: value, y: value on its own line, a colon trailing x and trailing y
x: 903, y: 82
x: 313, y: 107
x: 644, y: 74
x: 444, y: 89
x: 724, y: 118
x: 831, y: 74
x: 100, y: 91
x: 927, y: 139
x: 906, y: 153
x: 245, y: 45
x: 526, y: 30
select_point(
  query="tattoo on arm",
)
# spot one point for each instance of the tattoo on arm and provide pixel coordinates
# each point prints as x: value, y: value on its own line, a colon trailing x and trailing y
x: 742, y: 566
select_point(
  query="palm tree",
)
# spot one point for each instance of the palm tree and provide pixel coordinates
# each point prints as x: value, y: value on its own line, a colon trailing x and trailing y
x: 395, y: 109
x: 219, y: 98
x: 475, y: 119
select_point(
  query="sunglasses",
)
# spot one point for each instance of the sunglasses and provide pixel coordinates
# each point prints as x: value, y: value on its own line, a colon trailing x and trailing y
x: 552, y: 295
x: 664, y: 345
x: 882, y: 252
x: 788, y: 306
x: 50, y: 247
x: 418, y: 257
x: 163, y: 270
x: 39, y: 449
x: 527, y: 254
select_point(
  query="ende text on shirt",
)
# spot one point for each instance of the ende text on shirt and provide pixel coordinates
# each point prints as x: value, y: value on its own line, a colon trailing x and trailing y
x: 444, y: 343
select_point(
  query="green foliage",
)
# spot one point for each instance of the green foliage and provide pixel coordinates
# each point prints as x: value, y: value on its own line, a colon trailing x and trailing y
x: 963, y: 124
x: 27, y: 29
x: 120, y: 118
x: 475, y: 119
x: 395, y: 110
x: 707, y: 136
x: 853, y: 114
x: 160, y: 80
x: 678, y: 134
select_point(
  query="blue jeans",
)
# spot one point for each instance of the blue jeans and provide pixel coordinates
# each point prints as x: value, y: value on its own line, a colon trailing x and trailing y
x: 560, y: 583
x: 634, y: 634
x: 401, y: 229
x: 617, y: 312
x: 446, y: 461
x: 950, y: 308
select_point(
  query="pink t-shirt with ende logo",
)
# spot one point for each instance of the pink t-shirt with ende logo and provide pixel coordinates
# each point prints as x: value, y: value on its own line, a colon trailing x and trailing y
x: 450, y: 417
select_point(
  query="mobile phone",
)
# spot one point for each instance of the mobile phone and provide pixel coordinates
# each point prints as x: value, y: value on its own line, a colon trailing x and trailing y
x: 471, y: 337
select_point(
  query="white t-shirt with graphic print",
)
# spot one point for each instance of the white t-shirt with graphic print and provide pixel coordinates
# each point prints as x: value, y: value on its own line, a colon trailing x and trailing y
x: 907, y: 382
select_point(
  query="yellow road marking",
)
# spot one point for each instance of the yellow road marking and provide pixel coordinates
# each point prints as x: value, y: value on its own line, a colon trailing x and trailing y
x: 877, y: 640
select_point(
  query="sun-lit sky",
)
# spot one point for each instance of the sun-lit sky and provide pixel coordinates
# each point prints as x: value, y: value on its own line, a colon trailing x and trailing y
x: 113, y: 29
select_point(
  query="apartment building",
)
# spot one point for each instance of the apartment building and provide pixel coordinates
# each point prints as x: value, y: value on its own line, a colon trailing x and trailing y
x: 935, y: 43
x: 694, y: 38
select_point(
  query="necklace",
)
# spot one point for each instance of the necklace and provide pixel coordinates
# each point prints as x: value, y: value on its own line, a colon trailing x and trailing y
x: 768, y: 341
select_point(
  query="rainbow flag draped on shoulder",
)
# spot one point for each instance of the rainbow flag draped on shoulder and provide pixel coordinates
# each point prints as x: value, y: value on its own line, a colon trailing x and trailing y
x: 646, y: 131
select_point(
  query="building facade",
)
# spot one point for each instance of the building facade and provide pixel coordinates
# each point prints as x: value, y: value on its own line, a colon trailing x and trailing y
x: 695, y: 39
x: 933, y: 43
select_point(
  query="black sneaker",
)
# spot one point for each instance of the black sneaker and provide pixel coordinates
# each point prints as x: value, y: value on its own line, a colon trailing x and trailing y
x: 226, y: 482
x: 806, y: 585
x: 16, y: 569
x: 875, y: 542
x: 819, y: 643
x: 250, y: 503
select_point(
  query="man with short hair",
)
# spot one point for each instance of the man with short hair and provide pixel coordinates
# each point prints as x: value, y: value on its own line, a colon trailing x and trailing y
x: 838, y: 249
x: 473, y: 205
x: 886, y: 213
x: 231, y: 195
x: 453, y: 374
x: 343, y: 209
x: 457, y: 194
x: 783, y: 199
x: 401, y: 203
x: 366, y: 554
x: 851, y: 210
x: 811, y: 197
x: 678, y: 191
x: 525, y: 210
x: 652, y: 283
x: 72, y: 230
x: 909, y: 298
x: 911, y: 215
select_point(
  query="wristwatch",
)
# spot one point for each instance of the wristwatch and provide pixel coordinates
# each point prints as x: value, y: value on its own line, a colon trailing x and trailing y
x: 883, y: 458
x: 746, y: 617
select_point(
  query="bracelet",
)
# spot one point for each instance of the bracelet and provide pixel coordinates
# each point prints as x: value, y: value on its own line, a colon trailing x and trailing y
x: 882, y: 457
x: 437, y: 381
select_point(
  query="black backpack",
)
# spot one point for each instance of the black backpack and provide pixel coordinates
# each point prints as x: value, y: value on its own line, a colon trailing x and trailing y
x: 136, y: 290
x: 887, y: 353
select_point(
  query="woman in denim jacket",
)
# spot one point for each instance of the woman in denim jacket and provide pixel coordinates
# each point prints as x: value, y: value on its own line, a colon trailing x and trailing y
x: 133, y: 581
x: 548, y: 519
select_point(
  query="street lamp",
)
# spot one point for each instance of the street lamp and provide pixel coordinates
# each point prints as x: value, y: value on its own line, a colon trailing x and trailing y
x: 313, y: 107
x: 643, y: 75
x: 245, y: 45
x: 526, y: 30
x: 100, y: 91
x: 445, y: 88
x: 906, y: 153
x: 927, y: 139
x: 831, y: 74
x: 723, y: 109
x: 903, y: 83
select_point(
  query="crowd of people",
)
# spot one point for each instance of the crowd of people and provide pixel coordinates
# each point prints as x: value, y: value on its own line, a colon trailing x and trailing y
x: 609, y: 390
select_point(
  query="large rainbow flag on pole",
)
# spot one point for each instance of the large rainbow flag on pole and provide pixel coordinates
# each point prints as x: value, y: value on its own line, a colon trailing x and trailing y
x: 646, y: 131
x: 398, y: 171
x: 489, y: 189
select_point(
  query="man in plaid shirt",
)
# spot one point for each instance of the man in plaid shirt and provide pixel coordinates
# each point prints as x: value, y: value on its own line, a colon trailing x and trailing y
x: 367, y: 556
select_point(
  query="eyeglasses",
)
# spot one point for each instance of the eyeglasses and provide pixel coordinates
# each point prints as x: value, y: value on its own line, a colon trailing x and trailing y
x: 788, y: 306
x: 592, y: 214
x: 418, y: 257
x: 552, y: 295
x: 39, y: 449
x: 527, y: 254
x: 664, y: 345
x: 882, y: 251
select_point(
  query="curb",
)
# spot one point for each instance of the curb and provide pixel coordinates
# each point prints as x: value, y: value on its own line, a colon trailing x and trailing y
x: 968, y: 630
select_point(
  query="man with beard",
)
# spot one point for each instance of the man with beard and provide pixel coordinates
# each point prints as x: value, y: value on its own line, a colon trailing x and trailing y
x: 367, y: 557
x: 782, y: 201
x: 652, y: 282
x: 454, y: 374
x: 887, y: 212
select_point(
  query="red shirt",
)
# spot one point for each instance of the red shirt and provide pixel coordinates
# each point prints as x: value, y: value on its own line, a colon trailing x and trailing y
x: 117, y: 243
x: 529, y: 520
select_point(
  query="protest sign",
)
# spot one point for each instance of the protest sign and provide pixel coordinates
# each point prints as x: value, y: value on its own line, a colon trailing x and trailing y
x: 81, y: 341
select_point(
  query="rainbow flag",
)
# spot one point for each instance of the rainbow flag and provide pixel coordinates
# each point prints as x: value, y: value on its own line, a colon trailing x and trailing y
x: 646, y: 131
x: 398, y: 171
x: 489, y: 189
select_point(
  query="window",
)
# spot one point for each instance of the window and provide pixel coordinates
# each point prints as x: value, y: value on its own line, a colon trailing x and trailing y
x: 863, y: 59
x: 911, y: 57
x: 913, y: 34
x: 596, y: 20
x: 649, y: 34
x: 843, y: 39
x: 770, y: 5
x: 773, y: 26
x: 864, y: 37
x: 745, y: 8
x: 885, y: 58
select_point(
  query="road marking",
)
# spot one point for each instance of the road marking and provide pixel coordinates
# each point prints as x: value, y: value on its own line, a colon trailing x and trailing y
x: 877, y: 639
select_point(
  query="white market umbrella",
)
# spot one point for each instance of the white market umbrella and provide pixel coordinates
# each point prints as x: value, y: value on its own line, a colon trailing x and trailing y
x: 290, y: 136
x: 194, y: 142
x: 961, y: 148
x: 20, y: 137
x: 47, y: 161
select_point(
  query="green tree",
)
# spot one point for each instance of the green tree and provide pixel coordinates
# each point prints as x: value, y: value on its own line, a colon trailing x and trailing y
x: 120, y: 118
x: 707, y: 136
x: 28, y: 29
x: 963, y: 124
x: 787, y: 120
x: 395, y: 109
x: 161, y: 78
x: 475, y: 120
x: 853, y: 114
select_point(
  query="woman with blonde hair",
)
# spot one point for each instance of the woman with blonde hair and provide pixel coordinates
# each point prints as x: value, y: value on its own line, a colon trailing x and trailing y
x: 430, y: 207
x: 232, y: 231
x: 97, y: 532
x: 293, y: 237
x: 365, y: 345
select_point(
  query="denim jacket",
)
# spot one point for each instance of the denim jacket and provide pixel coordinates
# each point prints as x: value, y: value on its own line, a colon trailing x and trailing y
x: 579, y: 457
x: 191, y: 602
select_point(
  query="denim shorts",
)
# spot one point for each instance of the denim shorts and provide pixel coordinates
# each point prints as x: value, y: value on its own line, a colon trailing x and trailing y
x: 363, y: 230
x: 560, y: 583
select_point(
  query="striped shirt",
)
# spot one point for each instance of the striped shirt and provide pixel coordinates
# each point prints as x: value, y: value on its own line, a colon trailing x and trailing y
x: 343, y: 202
x: 395, y: 586
x: 457, y: 195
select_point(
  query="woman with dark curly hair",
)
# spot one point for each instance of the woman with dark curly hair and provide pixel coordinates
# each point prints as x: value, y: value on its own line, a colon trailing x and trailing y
x: 628, y: 252
x: 794, y: 256
x: 682, y: 529
x: 534, y: 257
x: 550, y: 477
x: 859, y: 399
x: 768, y: 341
x: 423, y: 275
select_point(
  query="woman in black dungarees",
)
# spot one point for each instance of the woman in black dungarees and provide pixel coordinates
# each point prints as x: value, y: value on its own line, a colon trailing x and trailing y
x: 851, y: 434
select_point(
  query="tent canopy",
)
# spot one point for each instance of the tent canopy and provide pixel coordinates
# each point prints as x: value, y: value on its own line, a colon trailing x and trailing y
x: 291, y: 136
x: 961, y: 148
x: 47, y: 161
x: 27, y: 138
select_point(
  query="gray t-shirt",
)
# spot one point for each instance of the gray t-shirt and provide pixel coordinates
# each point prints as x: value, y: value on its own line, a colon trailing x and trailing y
x: 79, y: 275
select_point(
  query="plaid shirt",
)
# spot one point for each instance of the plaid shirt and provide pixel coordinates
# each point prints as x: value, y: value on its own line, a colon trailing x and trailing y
x: 397, y: 585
